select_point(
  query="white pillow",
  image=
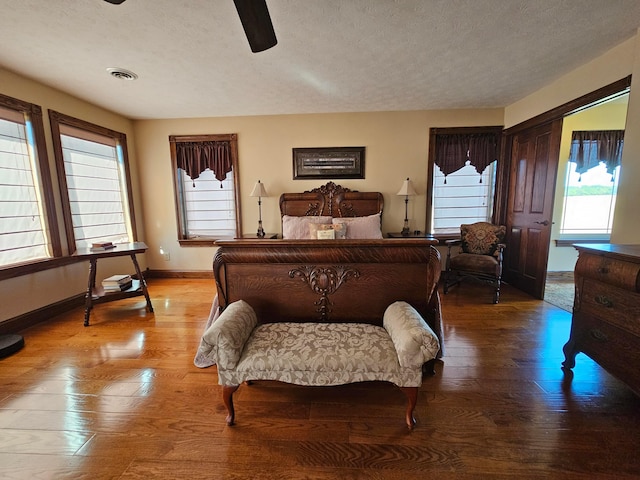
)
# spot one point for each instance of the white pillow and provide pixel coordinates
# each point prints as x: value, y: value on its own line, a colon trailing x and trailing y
x: 296, y: 228
x: 362, y: 227
x: 223, y: 341
x: 415, y: 341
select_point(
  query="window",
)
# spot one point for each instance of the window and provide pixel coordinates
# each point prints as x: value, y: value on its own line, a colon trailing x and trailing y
x: 462, y: 197
x: 462, y: 165
x: 28, y: 226
x: 591, y: 184
x: 206, y: 185
x: 94, y: 180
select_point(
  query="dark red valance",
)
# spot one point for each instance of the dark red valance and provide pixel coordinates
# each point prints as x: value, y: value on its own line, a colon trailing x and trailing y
x: 454, y: 150
x: 590, y: 147
x: 195, y: 157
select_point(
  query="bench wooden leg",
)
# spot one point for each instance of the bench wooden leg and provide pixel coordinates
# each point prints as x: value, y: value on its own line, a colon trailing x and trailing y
x: 412, y: 398
x: 227, y: 399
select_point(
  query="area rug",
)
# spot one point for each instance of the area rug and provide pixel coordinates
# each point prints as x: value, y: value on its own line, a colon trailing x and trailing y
x: 560, y: 294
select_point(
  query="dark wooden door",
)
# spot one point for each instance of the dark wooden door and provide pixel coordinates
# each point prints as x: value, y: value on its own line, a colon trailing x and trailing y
x: 532, y: 179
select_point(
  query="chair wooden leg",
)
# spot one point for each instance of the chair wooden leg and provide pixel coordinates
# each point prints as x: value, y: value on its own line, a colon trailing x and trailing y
x: 412, y: 398
x: 451, y: 279
x: 227, y: 399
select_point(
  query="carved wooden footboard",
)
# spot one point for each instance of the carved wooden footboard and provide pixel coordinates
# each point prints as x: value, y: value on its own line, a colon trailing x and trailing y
x: 330, y: 280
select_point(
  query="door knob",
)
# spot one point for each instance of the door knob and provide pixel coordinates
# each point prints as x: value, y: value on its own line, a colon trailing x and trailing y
x: 545, y: 223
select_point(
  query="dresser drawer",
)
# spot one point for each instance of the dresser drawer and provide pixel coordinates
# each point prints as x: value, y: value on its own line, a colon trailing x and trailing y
x: 612, y: 271
x: 610, y: 304
x: 612, y: 348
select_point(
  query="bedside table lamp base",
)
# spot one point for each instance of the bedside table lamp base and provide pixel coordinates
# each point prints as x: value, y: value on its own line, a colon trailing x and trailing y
x: 259, y: 191
x: 406, y: 190
x: 260, y: 229
x: 405, y: 228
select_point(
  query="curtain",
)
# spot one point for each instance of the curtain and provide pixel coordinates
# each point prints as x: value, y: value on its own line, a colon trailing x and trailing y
x: 590, y: 147
x: 454, y: 150
x: 195, y: 157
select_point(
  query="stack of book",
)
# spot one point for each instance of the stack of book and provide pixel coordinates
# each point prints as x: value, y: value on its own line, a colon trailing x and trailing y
x: 117, y: 283
x: 99, y: 246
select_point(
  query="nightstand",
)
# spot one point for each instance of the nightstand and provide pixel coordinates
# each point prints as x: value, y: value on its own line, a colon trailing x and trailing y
x: 266, y: 235
x: 415, y: 234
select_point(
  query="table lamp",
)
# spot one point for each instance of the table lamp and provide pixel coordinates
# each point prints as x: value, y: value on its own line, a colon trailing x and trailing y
x: 259, y: 191
x: 406, y: 190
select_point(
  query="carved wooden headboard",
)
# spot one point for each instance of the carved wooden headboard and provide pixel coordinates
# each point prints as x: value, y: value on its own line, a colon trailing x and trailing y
x: 333, y: 200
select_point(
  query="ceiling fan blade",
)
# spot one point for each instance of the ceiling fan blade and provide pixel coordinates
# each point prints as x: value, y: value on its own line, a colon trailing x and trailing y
x: 115, y: 2
x: 257, y: 25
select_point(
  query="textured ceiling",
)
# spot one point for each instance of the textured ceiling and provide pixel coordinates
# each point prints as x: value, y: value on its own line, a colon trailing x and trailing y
x: 193, y: 59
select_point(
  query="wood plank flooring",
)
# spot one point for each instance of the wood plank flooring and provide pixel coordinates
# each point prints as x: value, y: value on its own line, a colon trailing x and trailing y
x: 121, y: 399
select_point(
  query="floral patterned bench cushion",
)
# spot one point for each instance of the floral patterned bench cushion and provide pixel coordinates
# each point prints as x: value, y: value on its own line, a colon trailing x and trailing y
x: 320, y: 353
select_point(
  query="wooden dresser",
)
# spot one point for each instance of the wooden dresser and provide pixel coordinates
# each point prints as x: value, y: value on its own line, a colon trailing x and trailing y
x: 606, y: 311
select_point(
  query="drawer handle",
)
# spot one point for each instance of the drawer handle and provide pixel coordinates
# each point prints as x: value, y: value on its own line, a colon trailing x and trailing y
x: 603, y: 270
x: 598, y: 335
x: 604, y: 301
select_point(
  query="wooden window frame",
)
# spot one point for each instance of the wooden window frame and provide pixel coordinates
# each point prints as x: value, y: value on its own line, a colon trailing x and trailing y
x: 431, y: 167
x: 232, y: 138
x: 34, y: 112
x: 56, y: 119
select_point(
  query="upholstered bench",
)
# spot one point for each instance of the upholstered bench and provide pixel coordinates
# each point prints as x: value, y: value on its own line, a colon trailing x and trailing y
x: 316, y: 353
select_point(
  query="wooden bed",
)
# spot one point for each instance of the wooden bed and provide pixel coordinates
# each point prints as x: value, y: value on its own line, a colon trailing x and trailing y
x: 315, y: 311
x: 259, y: 271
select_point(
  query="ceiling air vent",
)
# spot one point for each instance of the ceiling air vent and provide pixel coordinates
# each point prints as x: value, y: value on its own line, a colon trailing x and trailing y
x: 122, y: 73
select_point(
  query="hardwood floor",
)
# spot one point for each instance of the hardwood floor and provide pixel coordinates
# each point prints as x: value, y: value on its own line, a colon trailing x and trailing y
x: 121, y: 399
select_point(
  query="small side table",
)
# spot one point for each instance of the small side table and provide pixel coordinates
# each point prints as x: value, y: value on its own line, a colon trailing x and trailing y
x: 139, y: 287
x: 411, y: 235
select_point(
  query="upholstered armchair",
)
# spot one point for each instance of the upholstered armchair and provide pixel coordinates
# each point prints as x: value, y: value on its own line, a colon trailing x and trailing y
x: 477, y: 254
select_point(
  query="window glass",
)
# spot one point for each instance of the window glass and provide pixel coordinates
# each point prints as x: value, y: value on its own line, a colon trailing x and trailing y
x: 463, y: 166
x: 589, y: 201
x: 23, y: 231
x: 592, y: 146
x: 465, y: 197
x: 209, y: 205
x: 96, y: 190
x: 206, y: 186
x: 95, y: 187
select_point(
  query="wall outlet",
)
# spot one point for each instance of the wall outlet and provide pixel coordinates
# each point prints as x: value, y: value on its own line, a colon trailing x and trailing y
x: 165, y: 254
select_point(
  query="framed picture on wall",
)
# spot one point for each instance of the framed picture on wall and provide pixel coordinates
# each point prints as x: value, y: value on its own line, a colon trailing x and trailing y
x: 328, y: 162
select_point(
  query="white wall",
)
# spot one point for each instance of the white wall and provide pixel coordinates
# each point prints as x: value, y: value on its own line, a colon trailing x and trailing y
x: 396, y: 147
x: 626, y: 223
x: 609, y: 67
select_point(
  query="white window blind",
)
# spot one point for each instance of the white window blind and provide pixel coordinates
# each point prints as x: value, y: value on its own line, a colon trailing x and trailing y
x: 589, y: 202
x: 463, y: 198
x: 96, y: 187
x: 23, y: 233
x: 209, y: 205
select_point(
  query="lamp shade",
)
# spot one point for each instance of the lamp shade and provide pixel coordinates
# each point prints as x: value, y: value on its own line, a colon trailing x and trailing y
x: 407, y: 188
x: 259, y: 190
